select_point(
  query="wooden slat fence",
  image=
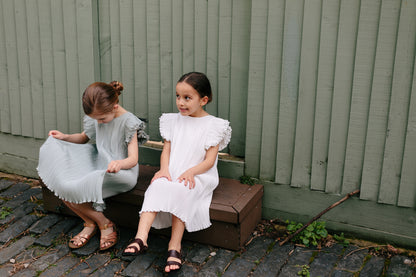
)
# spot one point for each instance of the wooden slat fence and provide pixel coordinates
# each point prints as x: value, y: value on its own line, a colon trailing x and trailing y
x: 320, y: 93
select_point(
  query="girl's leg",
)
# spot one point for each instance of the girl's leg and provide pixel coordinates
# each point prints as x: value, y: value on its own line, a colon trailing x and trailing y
x: 145, y: 223
x: 175, y: 243
x: 91, y: 216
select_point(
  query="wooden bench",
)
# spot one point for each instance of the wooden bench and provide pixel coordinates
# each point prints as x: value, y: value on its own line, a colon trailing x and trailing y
x: 235, y: 210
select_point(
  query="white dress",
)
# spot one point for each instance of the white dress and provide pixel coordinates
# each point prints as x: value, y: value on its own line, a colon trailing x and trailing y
x: 77, y: 173
x: 190, y: 137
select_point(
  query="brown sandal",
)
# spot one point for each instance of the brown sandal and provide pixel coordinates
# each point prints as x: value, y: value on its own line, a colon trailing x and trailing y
x: 110, y: 238
x: 83, y: 238
x: 143, y: 248
x: 174, y: 254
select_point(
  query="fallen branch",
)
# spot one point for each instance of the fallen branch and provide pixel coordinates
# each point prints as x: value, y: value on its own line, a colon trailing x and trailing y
x: 318, y: 216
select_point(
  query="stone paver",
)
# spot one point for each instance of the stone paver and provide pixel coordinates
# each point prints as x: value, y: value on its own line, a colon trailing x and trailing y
x: 37, y: 246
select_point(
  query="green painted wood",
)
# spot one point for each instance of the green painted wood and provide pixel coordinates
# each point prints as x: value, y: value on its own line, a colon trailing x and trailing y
x: 361, y: 91
x: 47, y: 67
x: 212, y: 53
x: 324, y: 92
x: 167, y: 85
x: 224, y: 58
x: 302, y: 157
x: 115, y: 37
x: 59, y: 66
x: 104, y: 40
x: 275, y: 26
x: 292, y: 41
x: 23, y: 68
x: 4, y: 91
x: 140, y: 59
x: 200, y: 30
x: 380, y: 223
x: 12, y: 67
x: 72, y: 70
x: 399, y: 103
x: 177, y: 44
x: 35, y: 69
x: 240, y: 53
x: 188, y: 36
x: 127, y: 49
x: 153, y: 66
x: 407, y: 190
x: 256, y: 84
x: 380, y: 99
x: 340, y: 111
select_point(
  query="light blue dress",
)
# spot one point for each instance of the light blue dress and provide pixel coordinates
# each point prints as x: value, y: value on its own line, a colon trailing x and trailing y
x: 77, y: 173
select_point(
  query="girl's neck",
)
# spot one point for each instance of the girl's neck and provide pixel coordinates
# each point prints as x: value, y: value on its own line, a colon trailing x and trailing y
x: 120, y: 111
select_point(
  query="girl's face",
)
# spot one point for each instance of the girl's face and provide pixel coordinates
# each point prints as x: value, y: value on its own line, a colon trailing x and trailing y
x: 104, y: 117
x: 188, y: 100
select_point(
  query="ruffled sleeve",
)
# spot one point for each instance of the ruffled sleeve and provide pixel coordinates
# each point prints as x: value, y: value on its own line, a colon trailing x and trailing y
x: 133, y: 125
x: 167, y: 124
x: 89, y: 127
x: 220, y: 134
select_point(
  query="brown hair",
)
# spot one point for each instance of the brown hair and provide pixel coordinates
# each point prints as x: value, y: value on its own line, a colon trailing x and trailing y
x: 101, y: 97
x: 199, y: 81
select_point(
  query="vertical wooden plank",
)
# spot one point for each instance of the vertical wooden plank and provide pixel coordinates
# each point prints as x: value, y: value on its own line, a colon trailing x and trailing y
x: 201, y: 26
x: 58, y: 44
x: 400, y: 97
x: 188, y: 36
x: 46, y: 48
x: 153, y: 63
x: 23, y: 69
x: 126, y: 47
x: 407, y: 190
x: 166, y: 82
x: 114, y: 13
x: 105, y: 40
x: 224, y: 58
x: 361, y: 91
x: 302, y: 156
x: 292, y: 41
x: 380, y: 99
x: 240, y: 52
x: 35, y: 69
x: 324, y: 91
x: 177, y: 43
x: 212, y: 53
x: 272, y: 84
x: 4, y: 88
x: 257, y: 70
x: 12, y: 67
x: 72, y: 72
x: 85, y: 46
x: 140, y: 58
x: 347, y: 32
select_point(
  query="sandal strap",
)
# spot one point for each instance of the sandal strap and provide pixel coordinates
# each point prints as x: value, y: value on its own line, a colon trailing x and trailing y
x: 107, y: 225
x: 141, y: 245
x: 174, y: 254
x: 173, y: 263
x: 89, y: 224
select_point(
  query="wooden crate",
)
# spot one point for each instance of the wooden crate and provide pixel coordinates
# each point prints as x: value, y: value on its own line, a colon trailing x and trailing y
x: 235, y: 210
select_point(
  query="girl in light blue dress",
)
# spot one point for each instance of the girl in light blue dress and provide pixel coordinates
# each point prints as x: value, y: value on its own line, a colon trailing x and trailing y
x: 83, y: 174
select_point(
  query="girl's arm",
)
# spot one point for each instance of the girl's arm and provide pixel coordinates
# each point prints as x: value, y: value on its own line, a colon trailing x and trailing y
x: 74, y: 138
x: 209, y: 161
x: 164, y: 163
x: 131, y: 160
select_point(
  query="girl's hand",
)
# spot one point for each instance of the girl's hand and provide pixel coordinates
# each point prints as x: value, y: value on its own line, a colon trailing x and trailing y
x: 188, y: 178
x: 57, y: 134
x: 114, y: 167
x: 161, y: 174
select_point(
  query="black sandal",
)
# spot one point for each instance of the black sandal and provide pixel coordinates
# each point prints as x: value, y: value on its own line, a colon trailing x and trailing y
x: 174, y: 254
x: 136, y: 252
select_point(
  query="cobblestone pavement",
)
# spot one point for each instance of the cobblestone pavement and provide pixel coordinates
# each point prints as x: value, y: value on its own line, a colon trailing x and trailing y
x: 34, y: 243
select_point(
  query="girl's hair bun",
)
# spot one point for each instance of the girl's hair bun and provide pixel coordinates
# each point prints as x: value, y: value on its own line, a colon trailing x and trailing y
x: 118, y: 86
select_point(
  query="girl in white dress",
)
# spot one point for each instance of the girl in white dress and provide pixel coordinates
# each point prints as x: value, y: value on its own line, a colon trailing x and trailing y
x: 83, y: 174
x: 180, y: 192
